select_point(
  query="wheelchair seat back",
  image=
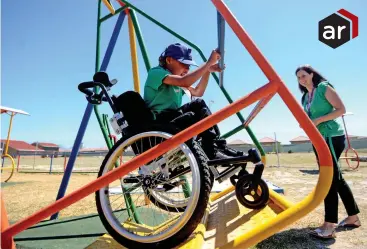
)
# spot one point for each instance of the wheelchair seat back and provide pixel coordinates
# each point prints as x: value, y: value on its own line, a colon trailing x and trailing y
x: 134, y: 108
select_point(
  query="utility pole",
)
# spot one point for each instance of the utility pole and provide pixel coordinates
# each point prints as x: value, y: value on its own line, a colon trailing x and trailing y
x: 276, y: 148
x: 34, y: 157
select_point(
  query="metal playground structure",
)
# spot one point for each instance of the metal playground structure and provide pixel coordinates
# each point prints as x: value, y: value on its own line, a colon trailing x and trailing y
x: 7, y: 171
x: 289, y: 213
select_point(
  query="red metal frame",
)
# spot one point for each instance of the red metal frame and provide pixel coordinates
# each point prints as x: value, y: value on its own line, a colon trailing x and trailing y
x: 260, y: 105
x: 350, y: 148
x: 275, y: 85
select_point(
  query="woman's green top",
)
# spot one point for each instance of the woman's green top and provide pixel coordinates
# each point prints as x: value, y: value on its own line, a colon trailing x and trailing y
x: 317, y: 105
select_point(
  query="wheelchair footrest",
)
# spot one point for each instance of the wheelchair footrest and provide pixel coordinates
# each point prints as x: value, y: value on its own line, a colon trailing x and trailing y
x: 232, y: 160
x: 227, y: 173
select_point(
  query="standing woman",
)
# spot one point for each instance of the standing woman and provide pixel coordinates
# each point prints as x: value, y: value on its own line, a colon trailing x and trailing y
x: 323, y: 106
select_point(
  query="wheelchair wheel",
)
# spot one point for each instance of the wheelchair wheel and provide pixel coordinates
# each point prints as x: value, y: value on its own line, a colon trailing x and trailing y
x: 250, y: 197
x: 160, y: 204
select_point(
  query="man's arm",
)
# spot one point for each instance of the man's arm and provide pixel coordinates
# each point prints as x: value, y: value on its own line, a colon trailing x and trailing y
x: 199, y: 90
x: 189, y: 79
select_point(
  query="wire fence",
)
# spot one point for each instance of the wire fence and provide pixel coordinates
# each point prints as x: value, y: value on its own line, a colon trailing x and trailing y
x: 55, y: 164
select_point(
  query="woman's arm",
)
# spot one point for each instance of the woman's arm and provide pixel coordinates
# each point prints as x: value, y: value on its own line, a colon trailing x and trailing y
x: 336, y: 102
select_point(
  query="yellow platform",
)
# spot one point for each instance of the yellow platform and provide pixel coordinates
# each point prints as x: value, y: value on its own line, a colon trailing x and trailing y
x: 225, y: 220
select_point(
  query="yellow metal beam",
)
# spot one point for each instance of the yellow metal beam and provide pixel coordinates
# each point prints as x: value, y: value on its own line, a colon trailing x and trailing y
x: 109, y: 6
x: 198, y: 234
x: 279, y: 200
x: 134, y: 54
x: 223, y: 193
x: 9, y: 130
x: 287, y: 217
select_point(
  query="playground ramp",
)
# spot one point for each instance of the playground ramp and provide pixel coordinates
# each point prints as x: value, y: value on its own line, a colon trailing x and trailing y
x: 225, y: 221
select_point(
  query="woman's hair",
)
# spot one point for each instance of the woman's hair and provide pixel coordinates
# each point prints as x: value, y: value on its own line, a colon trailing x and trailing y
x: 316, y: 79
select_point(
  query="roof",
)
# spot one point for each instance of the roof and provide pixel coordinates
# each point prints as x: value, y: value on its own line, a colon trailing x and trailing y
x: 46, y: 144
x: 12, y: 110
x: 238, y: 141
x: 21, y: 145
x: 267, y: 140
x: 300, y: 139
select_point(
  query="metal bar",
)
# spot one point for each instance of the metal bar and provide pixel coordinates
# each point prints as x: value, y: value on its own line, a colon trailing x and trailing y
x: 109, y: 6
x: 6, y: 242
x: 86, y: 117
x: 73, y: 155
x: 140, y: 40
x: 221, y: 35
x: 105, y: 123
x: 232, y: 132
x: 111, y: 15
x: 260, y: 105
x: 9, y: 131
x: 246, y: 41
x: 104, y: 65
x: 134, y: 55
x: 113, y: 40
x: 263, y: 231
x: 96, y: 67
x: 142, y: 159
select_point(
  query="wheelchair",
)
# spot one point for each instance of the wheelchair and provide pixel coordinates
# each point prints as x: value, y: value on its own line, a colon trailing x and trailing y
x: 161, y: 204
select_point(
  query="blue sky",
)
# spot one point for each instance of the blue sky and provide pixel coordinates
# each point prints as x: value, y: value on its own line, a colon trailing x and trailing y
x: 48, y: 47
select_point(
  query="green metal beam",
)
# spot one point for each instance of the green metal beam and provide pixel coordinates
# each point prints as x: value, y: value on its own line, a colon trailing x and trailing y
x: 139, y: 35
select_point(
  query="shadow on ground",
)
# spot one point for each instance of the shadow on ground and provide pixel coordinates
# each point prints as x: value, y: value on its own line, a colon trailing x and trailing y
x: 310, y: 171
x: 294, y: 239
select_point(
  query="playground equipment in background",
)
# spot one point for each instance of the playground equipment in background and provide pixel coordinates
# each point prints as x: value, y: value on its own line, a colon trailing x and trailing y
x: 263, y: 94
x: 351, y: 154
x: 8, y: 171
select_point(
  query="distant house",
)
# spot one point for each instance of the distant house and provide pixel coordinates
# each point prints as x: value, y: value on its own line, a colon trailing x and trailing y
x: 300, y: 140
x: 239, y: 142
x: 22, y: 148
x: 49, y: 148
x: 270, y: 145
x: 240, y: 145
x: 266, y: 141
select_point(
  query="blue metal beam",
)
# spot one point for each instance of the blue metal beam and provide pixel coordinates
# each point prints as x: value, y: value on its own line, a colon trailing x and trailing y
x: 87, y: 114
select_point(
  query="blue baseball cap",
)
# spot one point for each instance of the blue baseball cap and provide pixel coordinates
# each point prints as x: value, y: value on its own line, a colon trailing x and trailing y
x: 180, y: 53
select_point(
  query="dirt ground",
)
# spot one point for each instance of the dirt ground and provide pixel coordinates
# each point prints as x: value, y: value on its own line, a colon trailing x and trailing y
x: 27, y: 193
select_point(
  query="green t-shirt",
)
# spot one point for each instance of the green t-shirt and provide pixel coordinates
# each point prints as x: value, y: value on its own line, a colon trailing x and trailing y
x: 160, y: 96
x: 320, y: 106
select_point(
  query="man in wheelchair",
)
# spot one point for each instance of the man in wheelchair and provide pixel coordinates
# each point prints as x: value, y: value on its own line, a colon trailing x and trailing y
x: 164, y: 89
